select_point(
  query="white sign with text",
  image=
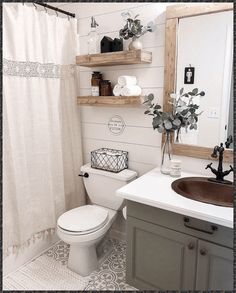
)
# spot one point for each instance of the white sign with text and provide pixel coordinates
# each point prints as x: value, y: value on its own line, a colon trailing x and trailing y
x: 116, y: 125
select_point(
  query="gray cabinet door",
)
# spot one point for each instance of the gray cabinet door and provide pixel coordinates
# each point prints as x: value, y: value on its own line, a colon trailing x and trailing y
x: 214, y: 267
x: 159, y: 258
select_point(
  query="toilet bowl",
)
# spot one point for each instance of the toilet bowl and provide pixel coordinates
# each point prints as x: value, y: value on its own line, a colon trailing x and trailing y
x: 82, y: 255
x: 85, y: 226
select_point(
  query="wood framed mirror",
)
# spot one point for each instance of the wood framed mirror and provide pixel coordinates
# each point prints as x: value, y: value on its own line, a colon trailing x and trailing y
x: 176, y: 17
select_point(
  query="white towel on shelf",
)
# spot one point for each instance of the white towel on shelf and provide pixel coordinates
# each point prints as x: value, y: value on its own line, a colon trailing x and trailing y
x: 127, y: 80
x: 117, y: 90
x: 131, y: 90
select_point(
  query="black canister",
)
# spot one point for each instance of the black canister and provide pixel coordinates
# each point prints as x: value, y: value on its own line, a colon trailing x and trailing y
x: 117, y: 45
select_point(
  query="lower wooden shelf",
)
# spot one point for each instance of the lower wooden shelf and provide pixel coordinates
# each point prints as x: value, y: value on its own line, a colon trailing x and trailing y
x: 110, y: 100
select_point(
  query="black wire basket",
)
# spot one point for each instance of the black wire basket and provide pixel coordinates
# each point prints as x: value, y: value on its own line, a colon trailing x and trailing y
x: 109, y: 160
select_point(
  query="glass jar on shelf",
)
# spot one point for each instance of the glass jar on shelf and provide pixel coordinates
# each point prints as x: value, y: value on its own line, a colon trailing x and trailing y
x: 105, y: 88
x: 95, y: 83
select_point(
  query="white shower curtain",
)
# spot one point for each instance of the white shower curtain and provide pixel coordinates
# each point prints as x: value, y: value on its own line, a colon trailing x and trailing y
x: 42, y: 151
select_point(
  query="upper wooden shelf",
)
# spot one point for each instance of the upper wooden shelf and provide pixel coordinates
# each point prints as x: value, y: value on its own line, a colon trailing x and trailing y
x: 115, y: 58
x: 110, y: 100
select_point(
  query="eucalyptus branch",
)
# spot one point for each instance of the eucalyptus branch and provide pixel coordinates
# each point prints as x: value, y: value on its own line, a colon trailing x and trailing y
x: 183, y: 115
x: 134, y: 28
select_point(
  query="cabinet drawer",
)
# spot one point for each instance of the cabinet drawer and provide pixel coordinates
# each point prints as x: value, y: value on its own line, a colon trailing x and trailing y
x: 188, y: 225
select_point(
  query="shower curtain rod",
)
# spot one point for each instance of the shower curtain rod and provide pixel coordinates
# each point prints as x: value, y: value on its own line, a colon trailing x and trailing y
x: 55, y: 8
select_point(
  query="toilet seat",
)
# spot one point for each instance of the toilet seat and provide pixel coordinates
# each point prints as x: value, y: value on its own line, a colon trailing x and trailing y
x: 83, y: 220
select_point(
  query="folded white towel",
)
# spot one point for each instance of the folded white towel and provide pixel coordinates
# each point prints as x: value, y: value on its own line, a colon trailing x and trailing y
x: 131, y: 90
x: 117, y: 90
x: 127, y: 80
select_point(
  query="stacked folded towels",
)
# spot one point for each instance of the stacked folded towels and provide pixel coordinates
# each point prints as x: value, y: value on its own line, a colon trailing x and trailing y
x: 127, y: 86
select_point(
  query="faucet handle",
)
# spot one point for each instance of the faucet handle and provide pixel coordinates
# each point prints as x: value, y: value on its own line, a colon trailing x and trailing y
x: 231, y: 168
x: 228, y: 171
x: 208, y: 166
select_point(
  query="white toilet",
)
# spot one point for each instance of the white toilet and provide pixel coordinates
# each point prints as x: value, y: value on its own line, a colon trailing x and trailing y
x: 85, y: 226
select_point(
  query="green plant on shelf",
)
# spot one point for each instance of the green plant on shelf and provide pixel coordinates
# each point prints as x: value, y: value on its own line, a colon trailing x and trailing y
x: 133, y: 27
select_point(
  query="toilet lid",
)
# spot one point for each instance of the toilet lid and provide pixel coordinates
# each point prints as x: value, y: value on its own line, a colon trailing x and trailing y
x: 82, y: 219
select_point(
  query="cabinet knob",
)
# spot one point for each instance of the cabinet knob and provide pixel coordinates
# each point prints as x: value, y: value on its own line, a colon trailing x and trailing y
x: 214, y: 228
x: 191, y: 246
x: 186, y: 220
x: 203, y: 251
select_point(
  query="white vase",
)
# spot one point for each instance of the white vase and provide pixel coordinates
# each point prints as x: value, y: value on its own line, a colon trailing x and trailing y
x: 135, y: 44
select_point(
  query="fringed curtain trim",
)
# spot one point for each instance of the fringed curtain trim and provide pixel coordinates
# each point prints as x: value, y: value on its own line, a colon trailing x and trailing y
x: 15, y: 249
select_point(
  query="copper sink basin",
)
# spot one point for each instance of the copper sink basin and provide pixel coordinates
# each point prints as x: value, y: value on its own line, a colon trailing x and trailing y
x: 200, y: 189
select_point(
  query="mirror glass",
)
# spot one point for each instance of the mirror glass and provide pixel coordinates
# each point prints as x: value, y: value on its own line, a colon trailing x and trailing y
x: 204, y: 60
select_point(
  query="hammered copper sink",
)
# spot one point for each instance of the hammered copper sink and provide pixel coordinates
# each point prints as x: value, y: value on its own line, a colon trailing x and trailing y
x: 200, y: 189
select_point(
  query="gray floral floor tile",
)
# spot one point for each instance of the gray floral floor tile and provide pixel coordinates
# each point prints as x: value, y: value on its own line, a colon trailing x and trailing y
x: 111, y: 273
x: 59, y: 252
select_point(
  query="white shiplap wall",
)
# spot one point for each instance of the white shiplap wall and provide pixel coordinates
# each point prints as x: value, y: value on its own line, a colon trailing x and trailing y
x: 138, y: 138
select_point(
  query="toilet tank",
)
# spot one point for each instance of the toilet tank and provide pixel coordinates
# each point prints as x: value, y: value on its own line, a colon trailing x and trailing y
x: 101, y: 186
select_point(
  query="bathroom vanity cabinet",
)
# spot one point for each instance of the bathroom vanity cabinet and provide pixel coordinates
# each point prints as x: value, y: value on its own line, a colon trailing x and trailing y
x: 168, y: 251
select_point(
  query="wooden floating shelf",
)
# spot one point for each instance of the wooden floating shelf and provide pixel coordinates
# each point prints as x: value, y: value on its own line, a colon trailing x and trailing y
x: 115, y: 58
x: 110, y: 100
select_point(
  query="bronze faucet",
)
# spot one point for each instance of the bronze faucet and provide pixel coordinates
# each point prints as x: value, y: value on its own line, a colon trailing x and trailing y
x: 220, y: 174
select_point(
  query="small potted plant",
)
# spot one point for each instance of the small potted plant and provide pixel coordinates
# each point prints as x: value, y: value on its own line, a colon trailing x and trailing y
x: 183, y: 115
x: 134, y: 29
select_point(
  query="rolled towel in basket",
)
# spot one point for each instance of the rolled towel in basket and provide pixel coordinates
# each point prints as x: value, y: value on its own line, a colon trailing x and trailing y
x: 117, y: 90
x: 127, y: 80
x: 131, y: 90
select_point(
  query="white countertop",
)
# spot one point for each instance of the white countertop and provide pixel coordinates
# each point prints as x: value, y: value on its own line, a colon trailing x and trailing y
x: 154, y: 189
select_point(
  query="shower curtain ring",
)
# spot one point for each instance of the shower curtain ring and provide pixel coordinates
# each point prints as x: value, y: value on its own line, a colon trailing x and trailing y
x: 56, y: 13
x: 35, y: 6
x: 45, y: 9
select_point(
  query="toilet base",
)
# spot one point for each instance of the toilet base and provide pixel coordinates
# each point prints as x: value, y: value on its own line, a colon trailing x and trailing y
x: 82, y: 259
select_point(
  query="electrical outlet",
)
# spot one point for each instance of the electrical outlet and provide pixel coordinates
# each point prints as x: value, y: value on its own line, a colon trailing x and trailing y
x: 213, y: 112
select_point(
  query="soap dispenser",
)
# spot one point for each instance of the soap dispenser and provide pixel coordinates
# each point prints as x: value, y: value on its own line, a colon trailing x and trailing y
x: 93, y: 38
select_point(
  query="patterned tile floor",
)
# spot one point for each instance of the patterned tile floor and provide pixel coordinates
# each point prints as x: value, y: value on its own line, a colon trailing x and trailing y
x: 110, y: 275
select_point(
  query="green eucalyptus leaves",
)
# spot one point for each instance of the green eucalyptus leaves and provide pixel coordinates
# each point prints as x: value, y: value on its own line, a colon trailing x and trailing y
x: 183, y: 115
x: 133, y: 27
